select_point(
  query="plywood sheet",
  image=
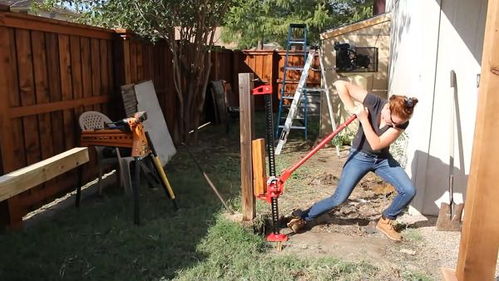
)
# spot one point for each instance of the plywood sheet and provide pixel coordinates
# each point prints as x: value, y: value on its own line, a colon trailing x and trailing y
x: 155, y: 124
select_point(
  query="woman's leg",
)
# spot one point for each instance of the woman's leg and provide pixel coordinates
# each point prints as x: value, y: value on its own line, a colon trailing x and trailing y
x: 390, y: 171
x: 354, y: 169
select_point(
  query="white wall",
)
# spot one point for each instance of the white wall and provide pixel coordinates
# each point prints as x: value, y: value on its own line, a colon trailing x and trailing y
x: 428, y: 42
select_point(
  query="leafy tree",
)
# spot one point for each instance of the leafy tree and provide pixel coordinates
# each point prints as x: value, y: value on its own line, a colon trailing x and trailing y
x: 253, y: 22
x: 188, y: 26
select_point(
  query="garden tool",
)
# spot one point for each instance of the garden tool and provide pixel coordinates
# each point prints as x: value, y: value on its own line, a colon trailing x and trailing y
x: 274, y: 186
x: 449, y: 216
x: 161, y: 172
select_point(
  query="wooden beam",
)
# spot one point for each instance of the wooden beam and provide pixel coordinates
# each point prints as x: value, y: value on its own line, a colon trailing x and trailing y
x: 246, y: 102
x: 259, y: 173
x: 22, y: 21
x: 23, y: 179
x: 480, y: 235
x: 355, y: 26
x: 448, y: 274
x: 22, y: 111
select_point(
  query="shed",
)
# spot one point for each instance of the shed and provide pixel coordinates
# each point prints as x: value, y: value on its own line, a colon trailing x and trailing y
x: 369, y: 39
x: 429, y: 40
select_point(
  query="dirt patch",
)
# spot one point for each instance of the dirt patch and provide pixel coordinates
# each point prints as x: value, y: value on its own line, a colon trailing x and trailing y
x: 348, y: 232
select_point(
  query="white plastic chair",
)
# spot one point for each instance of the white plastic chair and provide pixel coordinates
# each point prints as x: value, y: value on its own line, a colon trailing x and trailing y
x: 95, y: 120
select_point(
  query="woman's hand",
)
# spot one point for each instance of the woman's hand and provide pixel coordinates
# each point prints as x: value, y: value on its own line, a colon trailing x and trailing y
x: 361, y: 112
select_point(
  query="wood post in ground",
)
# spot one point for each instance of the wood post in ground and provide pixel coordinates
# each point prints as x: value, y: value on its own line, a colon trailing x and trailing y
x: 246, y: 135
x: 480, y: 235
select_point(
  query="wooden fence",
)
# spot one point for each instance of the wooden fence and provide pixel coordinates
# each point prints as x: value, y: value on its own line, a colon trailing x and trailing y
x: 52, y: 71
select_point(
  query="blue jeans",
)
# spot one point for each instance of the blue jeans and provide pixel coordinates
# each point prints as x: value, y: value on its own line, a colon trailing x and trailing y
x: 357, y: 166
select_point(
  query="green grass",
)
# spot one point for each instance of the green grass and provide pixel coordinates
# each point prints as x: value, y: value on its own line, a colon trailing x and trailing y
x: 412, y: 234
x: 100, y: 242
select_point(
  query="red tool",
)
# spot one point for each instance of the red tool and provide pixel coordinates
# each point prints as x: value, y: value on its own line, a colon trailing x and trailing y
x: 275, y: 184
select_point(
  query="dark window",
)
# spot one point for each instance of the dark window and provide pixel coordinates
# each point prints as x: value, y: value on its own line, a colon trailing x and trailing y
x: 355, y: 59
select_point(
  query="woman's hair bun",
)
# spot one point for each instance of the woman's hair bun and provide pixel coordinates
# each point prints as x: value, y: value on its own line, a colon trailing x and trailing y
x: 410, y: 102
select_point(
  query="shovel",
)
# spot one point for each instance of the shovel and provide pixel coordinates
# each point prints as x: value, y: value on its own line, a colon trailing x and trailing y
x: 449, y: 216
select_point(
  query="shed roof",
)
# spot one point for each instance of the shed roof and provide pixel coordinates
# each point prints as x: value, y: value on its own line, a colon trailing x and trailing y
x: 355, y: 26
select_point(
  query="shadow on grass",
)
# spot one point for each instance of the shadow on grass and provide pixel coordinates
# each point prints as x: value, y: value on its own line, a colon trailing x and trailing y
x: 100, y: 242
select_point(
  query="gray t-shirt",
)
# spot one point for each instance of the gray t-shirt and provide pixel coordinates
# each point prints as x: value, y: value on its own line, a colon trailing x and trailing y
x: 374, y: 104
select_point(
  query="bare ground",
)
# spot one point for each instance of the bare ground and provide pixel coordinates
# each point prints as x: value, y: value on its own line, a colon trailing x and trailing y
x: 348, y: 231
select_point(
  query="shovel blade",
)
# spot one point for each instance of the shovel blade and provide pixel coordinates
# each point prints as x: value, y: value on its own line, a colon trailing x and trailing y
x: 447, y: 221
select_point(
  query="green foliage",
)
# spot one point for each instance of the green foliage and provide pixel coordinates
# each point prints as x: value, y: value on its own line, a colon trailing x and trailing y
x: 251, y: 21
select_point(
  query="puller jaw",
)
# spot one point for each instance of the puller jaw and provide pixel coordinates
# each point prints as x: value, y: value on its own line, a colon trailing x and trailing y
x: 272, y: 193
x: 274, y: 189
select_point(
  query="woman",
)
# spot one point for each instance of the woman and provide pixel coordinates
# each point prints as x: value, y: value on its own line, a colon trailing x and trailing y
x: 381, y: 123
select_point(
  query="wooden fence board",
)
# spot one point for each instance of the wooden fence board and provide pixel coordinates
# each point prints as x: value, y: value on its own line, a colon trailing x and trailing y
x: 104, y: 68
x: 28, y: 22
x: 42, y: 92
x: 86, y: 70
x: 38, y: 45
x: 66, y: 90
x: 76, y: 72
x: 96, y: 79
x: 133, y: 61
x: 140, y: 63
x: 54, y: 82
x: 27, y: 94
x: 113, y: 114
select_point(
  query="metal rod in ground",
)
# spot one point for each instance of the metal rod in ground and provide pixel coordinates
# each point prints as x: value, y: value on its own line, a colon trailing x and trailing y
x: 210, y: 183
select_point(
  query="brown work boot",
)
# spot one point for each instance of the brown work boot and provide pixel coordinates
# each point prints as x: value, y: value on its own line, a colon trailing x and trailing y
x: 386, y: 227
x: 296, y: 225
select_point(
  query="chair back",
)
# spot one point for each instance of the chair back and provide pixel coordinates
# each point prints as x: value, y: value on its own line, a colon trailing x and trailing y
x: 93, y: 120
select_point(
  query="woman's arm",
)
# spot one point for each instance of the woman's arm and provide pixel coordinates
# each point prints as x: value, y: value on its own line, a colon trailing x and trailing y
x: 349, y: 92
x: 377, y: 142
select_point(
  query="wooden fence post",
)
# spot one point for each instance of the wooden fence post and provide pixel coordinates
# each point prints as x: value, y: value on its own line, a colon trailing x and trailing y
x: 246, y: 103
x: 480, y: 235
x: 10, y: 210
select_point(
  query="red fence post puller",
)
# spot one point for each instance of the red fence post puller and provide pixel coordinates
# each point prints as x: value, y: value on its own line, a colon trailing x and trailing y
x: 275, y: 184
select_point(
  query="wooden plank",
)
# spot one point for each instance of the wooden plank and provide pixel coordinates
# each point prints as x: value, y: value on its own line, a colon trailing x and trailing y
x: 127, y: 62
x: 480, y: 233
x: 96, y: 79
x: 42, y: 92
x: 86, y: 70
x: 54, y: 78
x: 259, y: 66
x: 76, y: 70
x: 355, y: 26
x: 66, y: 90
x: 133, y: 61
x: 12, y: 153
x: 104, y: 70
x: 27, y: 94
x: 140, y: 63
x: 259, y: 172
x: 56, y: 106
x: 246, y: 130
x: 113, y: 112
x: 42, y: 96
x: 23, y: 179
x: 4, y: 96
x: 147, y: 62
x: 28, y: 22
